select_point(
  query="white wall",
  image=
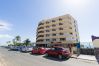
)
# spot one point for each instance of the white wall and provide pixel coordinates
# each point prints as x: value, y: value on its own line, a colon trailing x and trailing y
x: 96, y: 43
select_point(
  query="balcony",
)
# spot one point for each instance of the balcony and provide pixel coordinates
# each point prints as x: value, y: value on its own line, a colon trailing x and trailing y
x: 39, y: 40
x: 40, y: 31
x: 40, y: 24
x: 40, y: 28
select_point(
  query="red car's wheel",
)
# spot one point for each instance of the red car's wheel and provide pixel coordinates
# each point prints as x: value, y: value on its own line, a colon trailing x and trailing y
x: 46, y: 54
x: 60, y: 56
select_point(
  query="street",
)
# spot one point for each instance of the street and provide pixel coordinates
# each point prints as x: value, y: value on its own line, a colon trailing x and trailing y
x: 16, y: 58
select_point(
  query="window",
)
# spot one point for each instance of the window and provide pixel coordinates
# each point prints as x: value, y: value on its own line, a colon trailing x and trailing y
x: 71, y: 33
x: 76, y: 35
x: 61, y: 34
x: 60, y: 23
x: 53, y: 34
x: 72, y: 37
x: 74, y: 21
x: 60, y: 28
x: 70, y: 23
x: 62, y: 39
x: 47, y: 26
x: 53, y: 39
x: 53, y: 29
x: 47, y: 31
x: 53, y: 25
x: 60, y: 19
x: 70, y: 27
x: 47, y: 35
x: 53, y: 20
x: 47, y: 22
x: 77, y: 40
x: 75, y: 30
x: 47, y: 39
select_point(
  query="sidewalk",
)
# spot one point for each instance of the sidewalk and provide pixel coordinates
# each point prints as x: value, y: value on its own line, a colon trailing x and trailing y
x: 2, y: 61
x: 85, y: 57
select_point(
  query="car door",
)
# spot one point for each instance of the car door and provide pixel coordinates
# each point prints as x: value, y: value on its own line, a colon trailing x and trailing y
x: 53, y: 52
x: 50, y: 51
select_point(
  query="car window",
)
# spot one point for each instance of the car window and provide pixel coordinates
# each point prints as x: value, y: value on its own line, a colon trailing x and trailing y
x: 58, y: 49
x: 29, y: 47
x: 35, y: 48
x: 52, y: 48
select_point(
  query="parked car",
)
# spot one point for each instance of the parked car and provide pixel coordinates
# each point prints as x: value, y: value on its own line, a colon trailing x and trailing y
x: 15, y: 48
x: 59, y: 52
x: 39, y: 50
x: 26, y: 49
x: 11, y: 47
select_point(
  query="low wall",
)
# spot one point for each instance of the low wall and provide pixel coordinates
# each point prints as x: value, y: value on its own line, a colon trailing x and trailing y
x: 87, y: 51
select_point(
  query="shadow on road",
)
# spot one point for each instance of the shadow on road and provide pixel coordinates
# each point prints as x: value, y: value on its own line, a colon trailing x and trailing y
x: 35, y: 54
x: 12, y: 50
x: 55, y: 58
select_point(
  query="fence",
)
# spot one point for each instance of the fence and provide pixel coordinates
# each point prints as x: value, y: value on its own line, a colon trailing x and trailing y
x: 87, y: 51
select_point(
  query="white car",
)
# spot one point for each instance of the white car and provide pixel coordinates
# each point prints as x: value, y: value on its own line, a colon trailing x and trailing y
x: 26, y: 49
x: 11, y: 47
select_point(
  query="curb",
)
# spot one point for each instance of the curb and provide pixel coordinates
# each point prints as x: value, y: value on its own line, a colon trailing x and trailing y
x: 86, y: 59
x: 82, y: 58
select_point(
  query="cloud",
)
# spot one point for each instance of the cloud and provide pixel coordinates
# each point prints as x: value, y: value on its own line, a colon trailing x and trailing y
x: 5, y: 36
x: 4, y: 25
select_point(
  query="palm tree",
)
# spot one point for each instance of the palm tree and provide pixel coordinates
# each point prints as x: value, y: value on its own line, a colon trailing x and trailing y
x: 8, y: 42
x: 27, y: 42
x: 18, y: 39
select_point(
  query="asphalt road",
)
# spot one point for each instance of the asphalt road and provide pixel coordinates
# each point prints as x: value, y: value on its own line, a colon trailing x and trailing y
x: 16, y: 58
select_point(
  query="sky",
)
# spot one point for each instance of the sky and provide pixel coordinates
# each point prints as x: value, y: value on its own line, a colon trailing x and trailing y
x: 21, y: 17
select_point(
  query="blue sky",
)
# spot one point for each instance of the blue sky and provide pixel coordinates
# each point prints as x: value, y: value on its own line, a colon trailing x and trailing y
x: 21, y: 17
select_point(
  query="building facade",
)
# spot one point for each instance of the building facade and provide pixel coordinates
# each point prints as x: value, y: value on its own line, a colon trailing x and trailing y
x: 61, y: 30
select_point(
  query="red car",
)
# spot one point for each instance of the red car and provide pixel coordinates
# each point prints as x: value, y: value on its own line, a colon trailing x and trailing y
x: 39, y: 50
x: 59, y: 52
